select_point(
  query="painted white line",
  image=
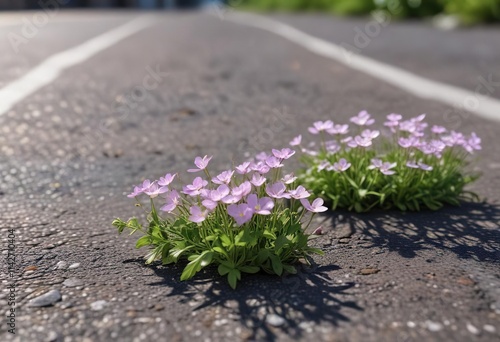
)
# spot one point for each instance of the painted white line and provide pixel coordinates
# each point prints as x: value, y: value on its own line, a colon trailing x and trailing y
x: 481, y: 105
x: 51, y: 68
x: 9, y: 19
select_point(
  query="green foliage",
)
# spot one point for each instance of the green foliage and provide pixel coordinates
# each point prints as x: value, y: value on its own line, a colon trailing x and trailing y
x: 360, y: 189
x: 469, y: 11
x: 410, y: 8
x: 228, y: 222
x: 474, y: 11
x: 352, y: 7
x: 405, y: 166
x: 337, y: 6
x: 287, y: 5
x: 272, y: 243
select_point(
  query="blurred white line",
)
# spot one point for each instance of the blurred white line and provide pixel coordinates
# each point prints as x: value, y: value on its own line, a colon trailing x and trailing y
x: 13, y: 19
x: 484, y: 106
x: 51, y: 68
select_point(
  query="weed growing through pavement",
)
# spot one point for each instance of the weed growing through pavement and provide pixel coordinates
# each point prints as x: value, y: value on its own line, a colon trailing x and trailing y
x: 243, y: 220
x: 403, y: 166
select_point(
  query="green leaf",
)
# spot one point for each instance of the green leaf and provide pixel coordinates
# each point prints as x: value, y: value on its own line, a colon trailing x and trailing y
x: 249, y: 269
x: 197, y: 263
x: 433, y: 205
x: 177, y: 251
x: 302, y: 241
x: 134, y: 225
x: 362, y: 193
x: 276, y: 264
x: 358, y: 207
x: 232, y: 280
x: 410, y: 206
x: 223, y: 269
x: 239, y: 240
x: 179, y: 223
x: 280, y: 242
x: 401, y: 206
x: 270, y: 235
x: 354, y: 185
x: 165, y: 253
x: 193, y: 257
x: 168, y: 259
x: 318, y: 251
x: 154, y: 214
x: 417, y: 205
x: 262, y: 256
x: 335, y: 203
x: 150, y: 257
x: 290, y: 269
x: 157, y: 234
x: 221, y: 250
x: 143, y: 241
x: 190, y: 270
x: 211, y: 238
x: 207, y: 257
x: 154, y: 254
x: 285, y: 216
x: 226, y: 241
x: 120, y: 224
x: 245, y: 238
x: 293, y: 228
x: 232, y: 277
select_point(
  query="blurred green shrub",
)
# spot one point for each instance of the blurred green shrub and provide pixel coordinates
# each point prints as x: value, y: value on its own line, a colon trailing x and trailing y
x: 287, y: 5
x: 469, y: 11
x: 344, y: 7
x: 410, y: 8
x: 474, y: 11
x: 351, y: 7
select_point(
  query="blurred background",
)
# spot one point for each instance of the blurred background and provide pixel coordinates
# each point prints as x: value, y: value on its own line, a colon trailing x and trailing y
x: 466, y: 11
x: 147, y: 4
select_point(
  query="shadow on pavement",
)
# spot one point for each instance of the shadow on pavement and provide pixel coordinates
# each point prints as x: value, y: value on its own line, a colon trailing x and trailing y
x: 309, y: 297
x: 470, y: 231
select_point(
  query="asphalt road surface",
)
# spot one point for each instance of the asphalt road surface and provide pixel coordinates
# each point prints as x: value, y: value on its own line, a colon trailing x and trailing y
x: 71, y: 149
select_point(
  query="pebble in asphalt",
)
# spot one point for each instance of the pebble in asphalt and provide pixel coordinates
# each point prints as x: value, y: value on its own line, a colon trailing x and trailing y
x: 47, y: 299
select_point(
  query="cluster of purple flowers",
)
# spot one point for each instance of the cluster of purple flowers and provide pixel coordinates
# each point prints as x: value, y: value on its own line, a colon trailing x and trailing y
x: 242, y: 193
x: 415, y: 136
x: 409, y: 134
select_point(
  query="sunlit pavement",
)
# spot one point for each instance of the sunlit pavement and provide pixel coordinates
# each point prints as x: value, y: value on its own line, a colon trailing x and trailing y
x: 193, y: 84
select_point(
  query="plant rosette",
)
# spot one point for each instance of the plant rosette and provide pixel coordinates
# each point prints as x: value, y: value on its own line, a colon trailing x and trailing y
x: 406, y: 165
x: 243, y: 220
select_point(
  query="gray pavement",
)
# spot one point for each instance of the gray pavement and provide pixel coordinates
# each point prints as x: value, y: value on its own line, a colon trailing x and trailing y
x: 69, y: 153
x: 27, y: 40
x: 464, y: 57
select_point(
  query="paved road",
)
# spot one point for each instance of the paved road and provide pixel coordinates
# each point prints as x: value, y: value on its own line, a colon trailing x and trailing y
x: 70, y: 151
x: 462, y: 57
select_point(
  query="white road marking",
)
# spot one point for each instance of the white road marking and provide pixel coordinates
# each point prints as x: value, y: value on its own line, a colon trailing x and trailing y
x: 51, y: 68
x: 15, y: 19
x: 477, y: 103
